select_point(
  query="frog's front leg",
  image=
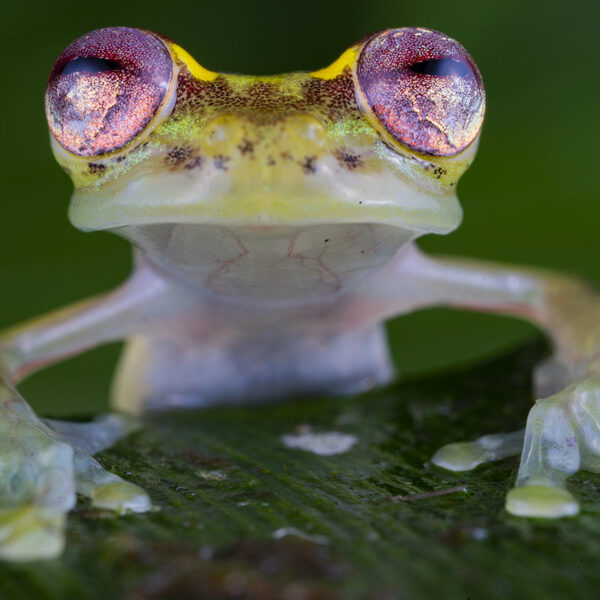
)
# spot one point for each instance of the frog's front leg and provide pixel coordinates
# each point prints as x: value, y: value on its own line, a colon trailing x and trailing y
x: 40, y: 471
x: 563, y: 429
x: 43, y: 464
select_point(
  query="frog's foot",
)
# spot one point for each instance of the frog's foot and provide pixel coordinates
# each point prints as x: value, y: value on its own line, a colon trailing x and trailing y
x: 40, y: 472
x: 37, y: 486
x: 562, y: 437
x: 38, y: 480
x: 31, y: 533
x: 464, y: 456
x: 106, y: 490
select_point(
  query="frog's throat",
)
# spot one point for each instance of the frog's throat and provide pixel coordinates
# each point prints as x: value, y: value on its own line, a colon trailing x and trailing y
x: 173, y: 198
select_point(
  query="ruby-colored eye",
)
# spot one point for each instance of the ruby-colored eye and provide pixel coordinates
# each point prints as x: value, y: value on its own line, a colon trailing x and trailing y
x: 424, y: 89
x: 105, y: 88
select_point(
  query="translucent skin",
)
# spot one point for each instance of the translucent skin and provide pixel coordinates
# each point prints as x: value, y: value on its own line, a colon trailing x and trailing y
x: 273, y: 220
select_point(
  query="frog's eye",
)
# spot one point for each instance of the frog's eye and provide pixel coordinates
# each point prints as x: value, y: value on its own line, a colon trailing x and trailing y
x: 423, y: 88
x: 106, y: 88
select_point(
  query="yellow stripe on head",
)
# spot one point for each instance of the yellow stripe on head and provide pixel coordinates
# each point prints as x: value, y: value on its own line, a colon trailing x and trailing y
x: 196, y: 69
x: 337, y: 67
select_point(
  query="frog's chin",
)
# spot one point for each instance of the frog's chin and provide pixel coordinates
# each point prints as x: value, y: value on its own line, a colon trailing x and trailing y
x: 268, y: 264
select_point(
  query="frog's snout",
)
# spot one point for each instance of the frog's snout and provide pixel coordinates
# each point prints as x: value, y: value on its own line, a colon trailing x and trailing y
x: 248, y: 147
x: 269, y: 136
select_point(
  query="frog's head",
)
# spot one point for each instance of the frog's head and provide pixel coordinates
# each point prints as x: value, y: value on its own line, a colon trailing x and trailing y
x: 150, y: 137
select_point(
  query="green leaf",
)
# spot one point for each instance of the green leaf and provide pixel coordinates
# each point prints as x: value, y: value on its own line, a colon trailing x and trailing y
x: 241, y: 516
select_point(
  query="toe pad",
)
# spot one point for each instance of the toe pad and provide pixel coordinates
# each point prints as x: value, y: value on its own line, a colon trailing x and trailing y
x: 121, y: 496
x: 541, y: 501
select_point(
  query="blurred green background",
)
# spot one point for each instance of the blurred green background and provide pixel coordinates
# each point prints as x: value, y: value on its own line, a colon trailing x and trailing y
x: 531, y: 197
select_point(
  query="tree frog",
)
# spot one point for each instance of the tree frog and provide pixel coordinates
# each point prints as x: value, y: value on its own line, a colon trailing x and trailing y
x: 273, y: 220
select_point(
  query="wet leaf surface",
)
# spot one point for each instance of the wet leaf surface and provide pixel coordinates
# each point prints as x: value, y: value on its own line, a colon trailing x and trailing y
x: 239, y: 516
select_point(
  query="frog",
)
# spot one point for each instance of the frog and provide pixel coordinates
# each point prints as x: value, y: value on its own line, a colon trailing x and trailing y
x: 274, y: 221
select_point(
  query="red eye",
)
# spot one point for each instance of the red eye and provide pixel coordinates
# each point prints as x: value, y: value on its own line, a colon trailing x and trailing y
x: 424, y: 89
x: 105, y: 88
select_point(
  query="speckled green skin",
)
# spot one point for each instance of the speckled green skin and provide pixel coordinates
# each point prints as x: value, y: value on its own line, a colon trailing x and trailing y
x: 261, y: 106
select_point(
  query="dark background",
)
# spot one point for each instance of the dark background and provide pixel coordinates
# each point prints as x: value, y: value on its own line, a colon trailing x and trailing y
x: 532, y: 195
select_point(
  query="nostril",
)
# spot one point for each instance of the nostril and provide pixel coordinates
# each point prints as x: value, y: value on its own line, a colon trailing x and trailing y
x: 217, y: 134
x: 305, y: 128
x: 316, y: 133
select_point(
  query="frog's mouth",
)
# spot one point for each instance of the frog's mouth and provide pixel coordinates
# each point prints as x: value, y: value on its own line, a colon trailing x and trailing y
x: 248, y: 197
x: 276, y: 234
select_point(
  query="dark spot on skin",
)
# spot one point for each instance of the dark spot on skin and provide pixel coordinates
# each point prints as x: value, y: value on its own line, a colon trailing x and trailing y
x: 96, y: 168
x: 220, y: 162
x: 349, y: 160
x: 286, y: 155
x: 270, y: 161
x: 120, y: 158
x: 177, y: 155
x: 308, y: 165
x: 438, y: 172
x: 326, y: 240
x: 194, y: 163
x: 246, y: 147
